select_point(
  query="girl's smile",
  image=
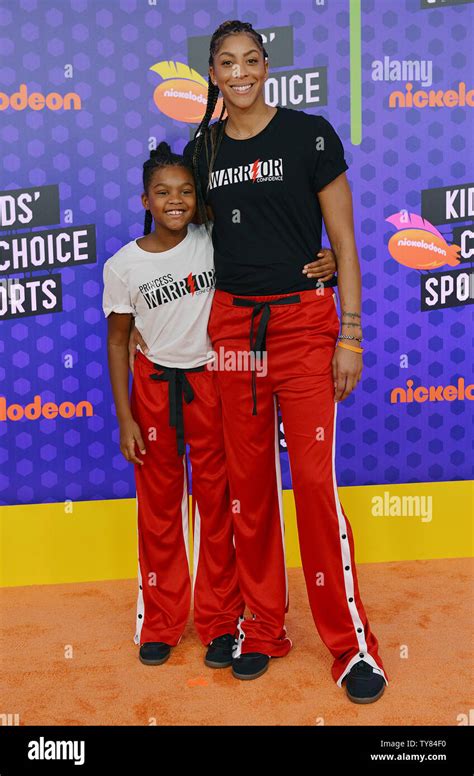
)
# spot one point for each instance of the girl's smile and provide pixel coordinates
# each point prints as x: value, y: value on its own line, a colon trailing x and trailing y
x: 176, y: 213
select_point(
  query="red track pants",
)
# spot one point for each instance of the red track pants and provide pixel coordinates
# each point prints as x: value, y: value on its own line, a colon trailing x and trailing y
x: 164, y: 595
x: 300, y: 340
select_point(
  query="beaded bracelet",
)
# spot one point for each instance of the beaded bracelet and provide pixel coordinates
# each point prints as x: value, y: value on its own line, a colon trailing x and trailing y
x: 347, y: 336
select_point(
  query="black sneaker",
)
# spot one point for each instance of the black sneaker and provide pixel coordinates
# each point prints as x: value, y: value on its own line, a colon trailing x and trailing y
x: 362, y: 684
x: 154, y: 653
x: 250, y: 665
x: 219, y: 651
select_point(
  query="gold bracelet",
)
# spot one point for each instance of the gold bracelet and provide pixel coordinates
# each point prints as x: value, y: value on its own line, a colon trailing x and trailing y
x: 350, y: 347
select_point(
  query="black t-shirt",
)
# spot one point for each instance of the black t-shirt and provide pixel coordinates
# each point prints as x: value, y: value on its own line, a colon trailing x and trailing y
x: 268, y: 221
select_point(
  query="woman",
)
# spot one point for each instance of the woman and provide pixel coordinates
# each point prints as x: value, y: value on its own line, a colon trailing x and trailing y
x: 268, y: 175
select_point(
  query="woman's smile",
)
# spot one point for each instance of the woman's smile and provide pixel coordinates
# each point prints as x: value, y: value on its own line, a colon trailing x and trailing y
x: 242, y: 88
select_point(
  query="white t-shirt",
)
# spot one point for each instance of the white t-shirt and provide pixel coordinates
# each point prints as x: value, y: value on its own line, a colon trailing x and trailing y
x: 169, y: 293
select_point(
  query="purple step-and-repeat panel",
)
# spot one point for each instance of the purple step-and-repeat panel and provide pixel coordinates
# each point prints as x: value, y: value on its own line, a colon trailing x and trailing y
x: 88, y: 87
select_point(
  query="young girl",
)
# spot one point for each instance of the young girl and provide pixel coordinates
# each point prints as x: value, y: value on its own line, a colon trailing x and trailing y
x: 165, y: 281
x: 270, y: 174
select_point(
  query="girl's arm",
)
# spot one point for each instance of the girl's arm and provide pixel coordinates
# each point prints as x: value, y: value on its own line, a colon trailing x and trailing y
x: 324, y: 267
x: 119, y: 325
x: 117, y: 352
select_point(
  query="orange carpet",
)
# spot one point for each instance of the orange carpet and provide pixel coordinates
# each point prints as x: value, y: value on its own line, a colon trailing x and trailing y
x: 68, y: 658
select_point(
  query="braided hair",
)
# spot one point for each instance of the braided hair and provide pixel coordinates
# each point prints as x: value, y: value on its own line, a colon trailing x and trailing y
x: 216, y: 130
x: 159, y: 157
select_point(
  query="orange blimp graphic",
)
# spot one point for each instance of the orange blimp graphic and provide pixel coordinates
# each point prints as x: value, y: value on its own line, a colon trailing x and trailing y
x: 182, y: 95
x: 418, y: 244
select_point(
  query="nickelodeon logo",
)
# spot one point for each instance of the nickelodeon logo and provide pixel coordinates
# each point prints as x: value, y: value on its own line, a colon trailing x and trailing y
x: 49, y: 410
x: 418, y: 244
x: 182, y: 95
x: 21, y: 100
x: 434, y: 98
x: 421, y: 394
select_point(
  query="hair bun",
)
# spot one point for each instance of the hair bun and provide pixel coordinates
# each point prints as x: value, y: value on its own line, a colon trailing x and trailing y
x: 163, y: 148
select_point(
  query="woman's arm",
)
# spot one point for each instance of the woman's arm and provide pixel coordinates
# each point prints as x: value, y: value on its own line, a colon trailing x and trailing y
x: 117, y: 352
x: 335, y: 200
x: 336, y: 206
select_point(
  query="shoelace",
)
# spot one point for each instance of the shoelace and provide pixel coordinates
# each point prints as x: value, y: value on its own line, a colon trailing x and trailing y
x: 362, y: 668
x: 227, y: 638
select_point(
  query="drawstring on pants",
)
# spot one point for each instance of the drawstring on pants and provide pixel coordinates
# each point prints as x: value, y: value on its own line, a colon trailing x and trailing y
x: 178, y: 386
x: 258, y: 344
